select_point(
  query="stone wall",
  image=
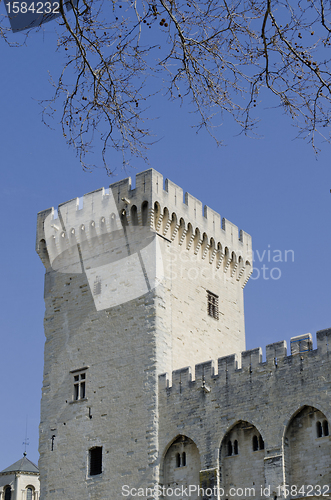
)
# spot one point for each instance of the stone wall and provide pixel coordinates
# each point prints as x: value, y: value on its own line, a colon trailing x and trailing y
x: 122, y: 306
x: 128, y: 273
x: 281, y: 400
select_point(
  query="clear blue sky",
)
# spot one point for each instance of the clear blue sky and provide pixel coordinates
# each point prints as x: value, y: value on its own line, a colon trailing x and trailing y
x: 272, y: 188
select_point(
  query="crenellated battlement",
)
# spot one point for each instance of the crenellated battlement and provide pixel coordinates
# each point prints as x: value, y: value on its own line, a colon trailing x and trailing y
x: 249, y: 362
x: 145, y: 280
x: 254, y: 422
x: 83, y: 221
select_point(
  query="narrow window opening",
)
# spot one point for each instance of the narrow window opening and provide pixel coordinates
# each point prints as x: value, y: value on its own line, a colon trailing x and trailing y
x: 325, y: 428
x: 113, y: 221
x: 79, y: 391
x: 29, y: 493
x: 134, y: 216
x: 95, y: 455
x: 7, y: 493
x: 177, y: 460
x: 144, y: 213
x: 255, y: 443
x: 319, y: 429
x: 52, y: 442
x: 229, y: 448
x: 124, y: 219
x: 183, y: 459
x: 235, y: 447
x: 261, y: 443
x: 212, y: 305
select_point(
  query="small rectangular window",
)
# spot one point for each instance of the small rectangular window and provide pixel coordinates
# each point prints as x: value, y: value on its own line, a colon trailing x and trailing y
x: 79, y: 384
x: 212, y: 305
x: 95, y: 461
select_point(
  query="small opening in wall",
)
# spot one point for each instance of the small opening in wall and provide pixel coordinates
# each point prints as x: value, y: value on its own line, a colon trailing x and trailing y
x: 144, y: 213
x: 79, y: 391
x: 124, y: 219
x: 235, y: 447
x: 183, y: 459
x: 29, y: 493
x: 319, y: 430
x: 52, y: 442
x: 95, y: 460
x: 212, y: 305
x: 134, y: 216
x: 255, y: 443
x: 325, y: 428
x: 229, y: 448
x: 177, y: 459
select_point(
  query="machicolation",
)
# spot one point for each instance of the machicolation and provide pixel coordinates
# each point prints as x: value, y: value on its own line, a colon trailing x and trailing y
x: 85, y: 220
x: 147, y: 383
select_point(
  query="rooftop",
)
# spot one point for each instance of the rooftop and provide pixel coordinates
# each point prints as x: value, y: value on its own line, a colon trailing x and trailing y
x: 22, y: 465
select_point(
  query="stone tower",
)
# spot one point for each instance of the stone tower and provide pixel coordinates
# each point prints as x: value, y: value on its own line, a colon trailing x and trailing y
x: 138, y: 282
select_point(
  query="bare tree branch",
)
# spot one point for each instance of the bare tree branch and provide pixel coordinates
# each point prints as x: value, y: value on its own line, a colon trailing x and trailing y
x: 216, y: 54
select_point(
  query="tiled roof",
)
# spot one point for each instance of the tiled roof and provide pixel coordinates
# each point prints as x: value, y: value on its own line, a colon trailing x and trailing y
x: 22, y: 465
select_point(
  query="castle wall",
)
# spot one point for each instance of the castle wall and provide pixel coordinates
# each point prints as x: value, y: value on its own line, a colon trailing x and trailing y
x: 195, y: 334
x: 267, y: 395
x: 301, y: 439
x: 238, y: 460
x: 126, y: 292
x: 181, y: 465
x: 119, y: 410
x: 196, y: 254
x: 117, y: 316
